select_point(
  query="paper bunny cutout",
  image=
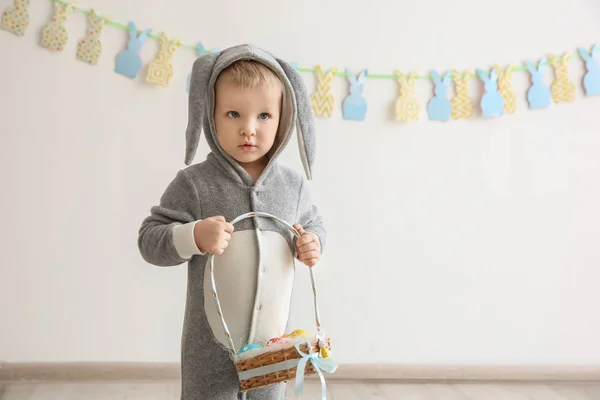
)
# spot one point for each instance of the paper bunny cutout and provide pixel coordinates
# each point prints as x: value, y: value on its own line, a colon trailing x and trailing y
x: 16, y: 19
x: 440, y: 107
x: 538, y: 94
x: 160, y: 71
x: 591, y: 80
x: 563, y: 89
x: 463, y: 105
x: 505, y: 88
x: 54, y: 34
x: 322, y: 101
x: 129, y: 61
x: 200, y: 50
x: 354, y: 105
x: 89, y: 48
x: 492, y: 104
x: 407, y: 105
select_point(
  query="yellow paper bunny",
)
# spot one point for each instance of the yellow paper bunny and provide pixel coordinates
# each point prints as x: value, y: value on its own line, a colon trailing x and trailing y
x: 505, y: 88
x: 563, y: 88
x: 322, y: 100
x: 89, y: 48
x: 160, y: 71
x: 16, y: 19
x: 54, y: 34
x: 407, y: 104
x: 463, y: 105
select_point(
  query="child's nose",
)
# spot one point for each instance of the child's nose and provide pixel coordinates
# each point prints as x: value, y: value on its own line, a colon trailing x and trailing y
x: 248, y: 129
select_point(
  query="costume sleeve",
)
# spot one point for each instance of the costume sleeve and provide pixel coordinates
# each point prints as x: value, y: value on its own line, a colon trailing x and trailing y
x: 308, y: 216
x: 166, y: 235
x: 184, y: 241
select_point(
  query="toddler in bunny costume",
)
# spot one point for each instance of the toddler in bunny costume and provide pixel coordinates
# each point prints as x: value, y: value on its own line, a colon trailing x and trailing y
x: 248, y: 103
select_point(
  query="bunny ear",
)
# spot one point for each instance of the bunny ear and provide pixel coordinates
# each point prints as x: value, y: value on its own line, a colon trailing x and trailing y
x: 200, y: 76
x: 530, y: 66
x: 71, y: 8
x: 200, y: 48
x: 584, y: 53
x: 362, y: 76
x: 351, y: 75
x: 435, y: 75
x: 447, y: 78
x: 594, y: 50
x: 543, y: 61
x: 144, y: 35
x: 494, y: 74
x: 482, y: 74
x: 305, y: 121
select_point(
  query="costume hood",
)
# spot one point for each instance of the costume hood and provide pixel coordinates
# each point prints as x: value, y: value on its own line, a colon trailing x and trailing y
x: 296, y: 108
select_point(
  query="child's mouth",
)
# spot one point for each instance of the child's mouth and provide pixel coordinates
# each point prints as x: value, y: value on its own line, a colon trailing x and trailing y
x: 247, y: 147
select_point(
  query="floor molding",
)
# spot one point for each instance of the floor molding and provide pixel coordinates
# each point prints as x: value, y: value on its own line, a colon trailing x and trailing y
x: 101, y: 371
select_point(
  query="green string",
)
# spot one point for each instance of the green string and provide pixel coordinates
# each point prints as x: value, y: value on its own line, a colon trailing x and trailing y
x: 120, y: 25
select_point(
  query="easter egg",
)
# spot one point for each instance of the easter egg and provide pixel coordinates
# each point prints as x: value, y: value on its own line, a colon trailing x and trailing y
x: 299, y: 333
x: 325, y: 352
x: 249, y: 347
x: 273, y: 341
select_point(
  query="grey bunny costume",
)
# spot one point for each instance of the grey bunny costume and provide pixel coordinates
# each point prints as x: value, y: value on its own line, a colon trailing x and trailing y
x: 255, y: 275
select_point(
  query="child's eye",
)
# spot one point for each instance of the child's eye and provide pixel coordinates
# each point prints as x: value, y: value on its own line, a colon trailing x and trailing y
x: 233, y: 114
x: 264, y: 116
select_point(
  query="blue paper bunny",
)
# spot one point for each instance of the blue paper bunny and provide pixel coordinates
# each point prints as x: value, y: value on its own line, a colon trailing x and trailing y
x: 591, y: 80
x: 200, y: 49
x: 538, y: 95
x: 129, y: 61
x: 355, y: 105
x: 440, y: 107
x: 492, y: 103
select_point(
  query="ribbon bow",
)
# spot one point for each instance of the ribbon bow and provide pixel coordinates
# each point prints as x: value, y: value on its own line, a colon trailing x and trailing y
x: 325, y: 364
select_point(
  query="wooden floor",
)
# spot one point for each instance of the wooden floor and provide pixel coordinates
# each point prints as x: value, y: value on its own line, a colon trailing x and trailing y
x: 336, y: 391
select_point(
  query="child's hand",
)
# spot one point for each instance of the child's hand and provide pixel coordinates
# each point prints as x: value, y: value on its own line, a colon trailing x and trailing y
x: 308, y: 247
x: 212, y: 235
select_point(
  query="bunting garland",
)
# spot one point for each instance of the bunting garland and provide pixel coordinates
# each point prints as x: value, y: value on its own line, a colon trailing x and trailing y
x: 498, y: 99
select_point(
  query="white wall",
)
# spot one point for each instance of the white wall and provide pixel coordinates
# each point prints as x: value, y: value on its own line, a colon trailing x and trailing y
x: 480, y: 239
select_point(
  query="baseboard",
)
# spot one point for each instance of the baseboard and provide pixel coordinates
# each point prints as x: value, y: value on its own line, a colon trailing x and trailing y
x: 352, y: 372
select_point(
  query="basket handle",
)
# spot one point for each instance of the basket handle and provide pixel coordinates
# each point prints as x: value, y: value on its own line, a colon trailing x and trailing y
x: 214, y: 286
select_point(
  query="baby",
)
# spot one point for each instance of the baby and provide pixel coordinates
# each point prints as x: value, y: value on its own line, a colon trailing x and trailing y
x: 248, y: 103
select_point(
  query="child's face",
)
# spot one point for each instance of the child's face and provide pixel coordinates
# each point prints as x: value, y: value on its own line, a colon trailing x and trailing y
x: 246, y: 120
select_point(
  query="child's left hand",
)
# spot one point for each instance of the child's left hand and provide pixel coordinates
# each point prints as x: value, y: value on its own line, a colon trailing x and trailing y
x: 308, y: 247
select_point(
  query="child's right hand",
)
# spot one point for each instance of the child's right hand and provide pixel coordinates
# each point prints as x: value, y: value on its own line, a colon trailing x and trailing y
x: 212, y: 235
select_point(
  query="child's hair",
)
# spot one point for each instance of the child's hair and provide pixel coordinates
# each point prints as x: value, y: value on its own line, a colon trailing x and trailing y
x: 249, y: 74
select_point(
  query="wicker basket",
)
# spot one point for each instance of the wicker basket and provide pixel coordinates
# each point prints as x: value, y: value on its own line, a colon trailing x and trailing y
x: 279, y: 364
